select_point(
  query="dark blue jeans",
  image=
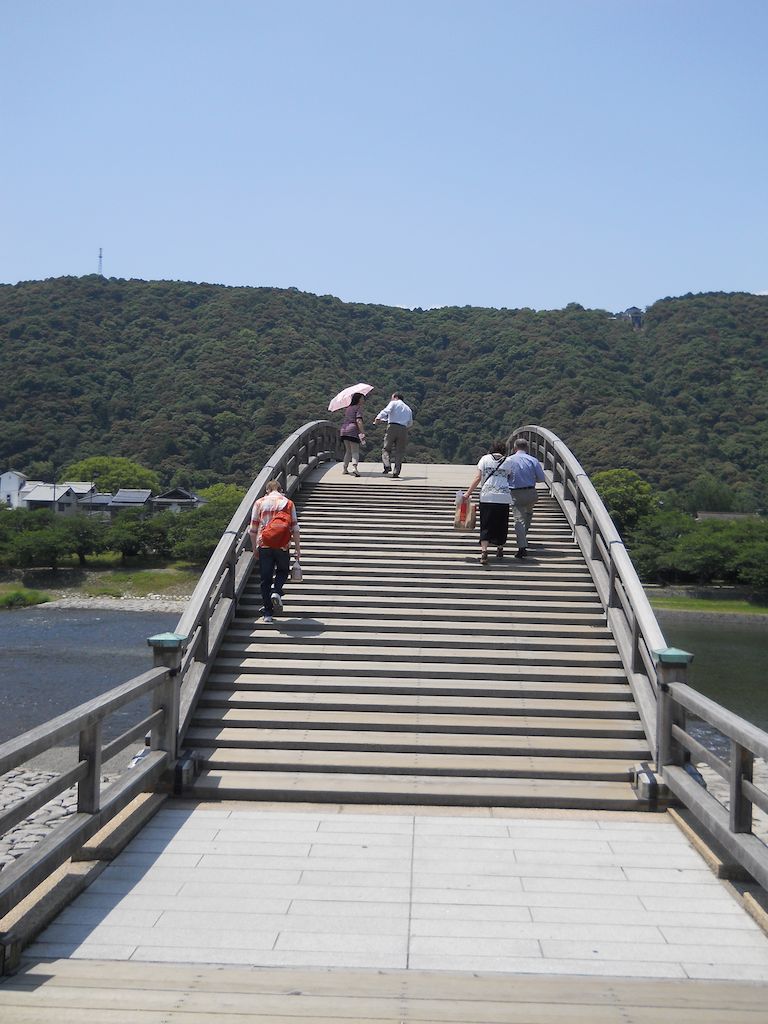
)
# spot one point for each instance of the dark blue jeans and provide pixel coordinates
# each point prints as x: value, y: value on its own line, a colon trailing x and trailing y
x: 274, y: 565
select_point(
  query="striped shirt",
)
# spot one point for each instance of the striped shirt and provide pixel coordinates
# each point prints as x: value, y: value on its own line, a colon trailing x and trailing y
x: 264, y: 510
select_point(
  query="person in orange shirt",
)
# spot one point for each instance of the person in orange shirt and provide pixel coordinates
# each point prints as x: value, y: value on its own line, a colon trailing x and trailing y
x: 273, y: 525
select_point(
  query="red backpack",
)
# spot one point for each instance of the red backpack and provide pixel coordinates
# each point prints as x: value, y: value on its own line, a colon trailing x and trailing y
x: 278, y: 531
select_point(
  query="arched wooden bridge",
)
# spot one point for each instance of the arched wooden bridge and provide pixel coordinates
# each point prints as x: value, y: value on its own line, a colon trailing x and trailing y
x: 403, y: 674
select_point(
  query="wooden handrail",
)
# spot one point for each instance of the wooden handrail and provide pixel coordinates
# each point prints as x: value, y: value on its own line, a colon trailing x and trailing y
x: 627, y: 609
x: 656, y: 673
x: 214, y: 599
x: 732, y: 826
x: 182, y: 661
x: 95, y: 807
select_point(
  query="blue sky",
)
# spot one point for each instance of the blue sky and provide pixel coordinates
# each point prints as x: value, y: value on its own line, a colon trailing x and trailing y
x: 422, y: 153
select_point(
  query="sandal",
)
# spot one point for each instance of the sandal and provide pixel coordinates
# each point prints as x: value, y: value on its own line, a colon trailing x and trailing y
x: 483, y: 558
x: 500, y: 552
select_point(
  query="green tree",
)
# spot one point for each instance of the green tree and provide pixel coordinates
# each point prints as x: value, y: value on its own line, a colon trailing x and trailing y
x: 654, y: 540
x: 708, y: 552
x: 44, y: 547
x: 159, y: 533
x: 707, y: 494
x: 627, y: 497
x: 112, y: 472
x: 199, y: 533
x: 752, y: 564
x: 226, y: 497
x: 86, y: 535
x: 126, y: 534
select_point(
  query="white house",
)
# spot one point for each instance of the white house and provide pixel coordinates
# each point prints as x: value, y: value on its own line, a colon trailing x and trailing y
x: 16, y: 491
x: 55, y: 497
x: 11, y: 485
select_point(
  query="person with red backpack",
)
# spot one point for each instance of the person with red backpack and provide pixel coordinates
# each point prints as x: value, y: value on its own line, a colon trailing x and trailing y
x: 273, y: 524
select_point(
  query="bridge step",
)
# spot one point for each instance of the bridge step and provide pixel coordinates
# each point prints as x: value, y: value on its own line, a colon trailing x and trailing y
x: 373, y: 636
x: 394, y: 651
x: 351, y: 683
x: 471, y: 744
x: 331, y: 700
x: 397, y: 789
x: 427, y: 631
x: 471, y: 620
x: 403, y: 671
x: 523, y: 724
x: 397, y: 763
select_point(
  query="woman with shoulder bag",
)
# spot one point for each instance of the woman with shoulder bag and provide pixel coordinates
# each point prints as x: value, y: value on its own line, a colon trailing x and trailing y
x: 495, y: 498
x: 352, y: 432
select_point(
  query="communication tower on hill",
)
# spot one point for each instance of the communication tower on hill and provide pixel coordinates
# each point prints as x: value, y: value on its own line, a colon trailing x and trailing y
x: 101, y: 254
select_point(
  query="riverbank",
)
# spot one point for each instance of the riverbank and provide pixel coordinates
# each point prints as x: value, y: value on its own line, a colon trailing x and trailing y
x: 151, y: 603
x: 130, y: 588
x: 729, y: 601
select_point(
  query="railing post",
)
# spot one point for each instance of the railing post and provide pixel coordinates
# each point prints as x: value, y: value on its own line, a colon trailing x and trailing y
x: 89, y: 788
x: 167, y: 651
x: 671, y: 667
x: 580, y: 520
x: 593, y: 549
x: 229, y: 583
x: 613, y: 597
x: 742, y: 762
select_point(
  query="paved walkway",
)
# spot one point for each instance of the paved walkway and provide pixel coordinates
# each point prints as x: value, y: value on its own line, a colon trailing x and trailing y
x: 558, y: 893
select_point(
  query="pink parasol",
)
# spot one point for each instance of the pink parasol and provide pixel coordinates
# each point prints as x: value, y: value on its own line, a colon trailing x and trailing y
x: 342, y: 400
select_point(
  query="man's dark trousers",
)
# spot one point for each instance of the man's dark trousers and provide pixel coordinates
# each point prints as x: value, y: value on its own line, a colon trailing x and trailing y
x: 274, y: 566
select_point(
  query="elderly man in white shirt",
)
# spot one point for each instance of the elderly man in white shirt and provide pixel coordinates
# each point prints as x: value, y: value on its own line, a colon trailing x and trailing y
x: 398, y: 417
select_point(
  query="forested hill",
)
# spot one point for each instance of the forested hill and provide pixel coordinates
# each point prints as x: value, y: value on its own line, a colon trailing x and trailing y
x: 200, y: 382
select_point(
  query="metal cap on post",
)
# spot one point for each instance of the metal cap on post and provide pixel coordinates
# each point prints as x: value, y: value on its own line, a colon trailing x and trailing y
x: 167, y: 652
x: 166, y: 649
x: 671, y: 667
x: 673, y: 656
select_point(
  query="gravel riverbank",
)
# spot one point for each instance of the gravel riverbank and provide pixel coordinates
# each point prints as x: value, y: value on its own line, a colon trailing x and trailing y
x: 150, y: 603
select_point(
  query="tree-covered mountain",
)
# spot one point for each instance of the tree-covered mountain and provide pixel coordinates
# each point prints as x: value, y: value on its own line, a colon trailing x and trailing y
x: 200, y: 382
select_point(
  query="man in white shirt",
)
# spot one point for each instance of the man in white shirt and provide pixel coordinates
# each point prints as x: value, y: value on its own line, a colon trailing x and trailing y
x: 398, y: 417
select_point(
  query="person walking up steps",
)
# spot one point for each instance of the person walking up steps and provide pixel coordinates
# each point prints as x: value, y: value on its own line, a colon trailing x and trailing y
x: 273, y: 524
x: 352, y: 433
x: 399, y: 417
x: 493, y: 476
x: 525, y: 471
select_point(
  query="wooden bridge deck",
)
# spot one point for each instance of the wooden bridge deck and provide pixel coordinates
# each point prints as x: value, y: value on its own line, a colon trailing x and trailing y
x: 81, y: 992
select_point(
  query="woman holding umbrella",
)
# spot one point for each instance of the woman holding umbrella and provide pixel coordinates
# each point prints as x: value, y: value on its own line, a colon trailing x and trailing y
x: 353, y: 432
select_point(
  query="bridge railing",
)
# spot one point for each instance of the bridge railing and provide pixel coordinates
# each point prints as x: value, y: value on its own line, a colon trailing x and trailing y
x: 621, y: 593
x: 182, y: 662
x: 95, y: 806
x: 658, y: 674
x: 201, y: 628
x: 731, y: 825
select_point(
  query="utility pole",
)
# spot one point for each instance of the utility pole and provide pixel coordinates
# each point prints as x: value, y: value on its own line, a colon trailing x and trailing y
x: 101, y: 254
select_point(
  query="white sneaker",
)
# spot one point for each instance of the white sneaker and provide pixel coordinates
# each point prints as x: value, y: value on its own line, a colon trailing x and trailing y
x: 267, y: 618
x: 277, y: 603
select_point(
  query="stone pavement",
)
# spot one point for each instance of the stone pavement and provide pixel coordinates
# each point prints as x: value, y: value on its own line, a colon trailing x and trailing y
x: 519, y: 892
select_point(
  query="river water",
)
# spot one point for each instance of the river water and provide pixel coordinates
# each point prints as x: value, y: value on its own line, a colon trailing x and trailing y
x: 730, y: 662
x: 52, y: 659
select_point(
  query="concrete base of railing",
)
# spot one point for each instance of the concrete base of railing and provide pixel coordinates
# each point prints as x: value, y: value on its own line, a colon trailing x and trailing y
x: 34, y: 913
x: 42, y: 905
x: 650, y: 787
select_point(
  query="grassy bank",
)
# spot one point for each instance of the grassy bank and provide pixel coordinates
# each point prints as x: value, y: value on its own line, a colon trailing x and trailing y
x: 12, y: 596
x: 174, y: 581
x: 719, y: 605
